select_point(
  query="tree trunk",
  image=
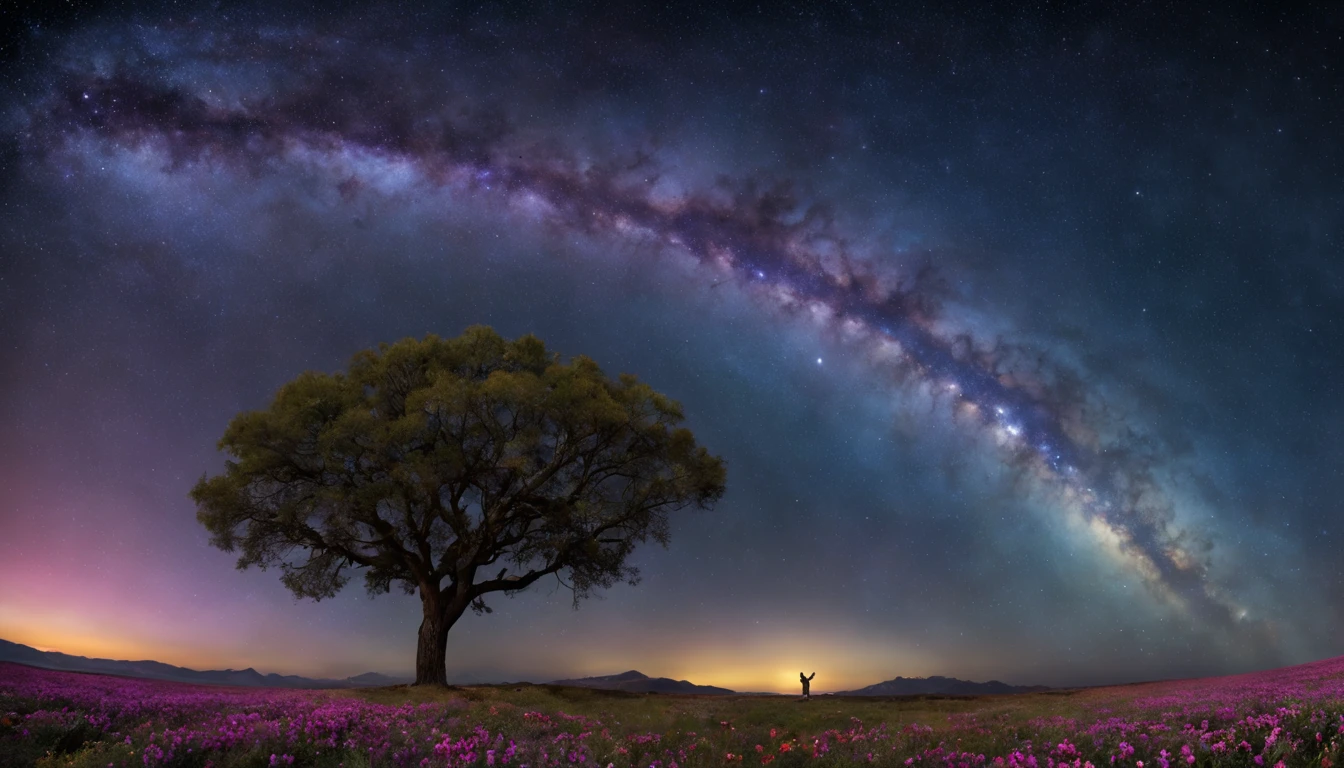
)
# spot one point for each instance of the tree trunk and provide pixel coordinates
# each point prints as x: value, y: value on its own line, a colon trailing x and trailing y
x: 431, y: 649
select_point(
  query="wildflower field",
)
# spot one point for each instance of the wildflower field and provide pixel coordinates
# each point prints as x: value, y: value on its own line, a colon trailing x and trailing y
x: 1288, y: 717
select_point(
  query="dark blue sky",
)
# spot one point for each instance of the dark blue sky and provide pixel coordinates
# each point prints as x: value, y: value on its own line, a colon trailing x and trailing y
x: 1019, y: 331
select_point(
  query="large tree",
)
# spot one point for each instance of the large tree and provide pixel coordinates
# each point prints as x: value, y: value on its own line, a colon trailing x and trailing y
x: 455, y: 468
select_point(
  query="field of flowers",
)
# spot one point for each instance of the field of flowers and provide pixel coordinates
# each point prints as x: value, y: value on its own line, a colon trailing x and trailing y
x: 1289, y: 717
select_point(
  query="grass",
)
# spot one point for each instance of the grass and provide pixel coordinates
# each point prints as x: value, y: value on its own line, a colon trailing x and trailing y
x: 634, y: 712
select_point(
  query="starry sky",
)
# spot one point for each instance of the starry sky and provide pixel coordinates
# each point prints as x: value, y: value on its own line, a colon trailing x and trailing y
x: 1020, y: 330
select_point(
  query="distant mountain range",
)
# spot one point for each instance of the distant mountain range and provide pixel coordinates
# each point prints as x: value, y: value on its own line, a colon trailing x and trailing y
x: 632, y: 681
x: 937, y: 685
x: 637, y: 682
x: 156, y: 670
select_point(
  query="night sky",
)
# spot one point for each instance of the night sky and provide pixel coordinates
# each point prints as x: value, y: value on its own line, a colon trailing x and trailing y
x: 1019, y: 331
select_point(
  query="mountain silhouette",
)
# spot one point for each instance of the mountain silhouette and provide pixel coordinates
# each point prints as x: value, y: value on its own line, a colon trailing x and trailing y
x: 157, y: 670
x: 638, y: 682
x: 938, y: 685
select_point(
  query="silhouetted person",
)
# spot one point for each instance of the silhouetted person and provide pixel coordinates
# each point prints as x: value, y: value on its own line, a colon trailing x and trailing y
x: 807, y: 684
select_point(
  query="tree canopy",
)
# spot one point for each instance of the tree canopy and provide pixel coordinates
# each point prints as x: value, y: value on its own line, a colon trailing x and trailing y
x: 455, y: 468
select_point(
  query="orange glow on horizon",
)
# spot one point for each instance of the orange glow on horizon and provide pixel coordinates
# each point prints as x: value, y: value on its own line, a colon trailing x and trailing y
x: 75, y: 634
x: 77, y: 643
x: 769, y: 661
x: 763, y: 662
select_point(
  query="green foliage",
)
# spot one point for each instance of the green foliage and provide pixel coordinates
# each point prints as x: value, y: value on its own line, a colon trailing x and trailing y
x: 93, y: 755
x: 25, y: 740
x: 430, y: 462
x: 104, y: 753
